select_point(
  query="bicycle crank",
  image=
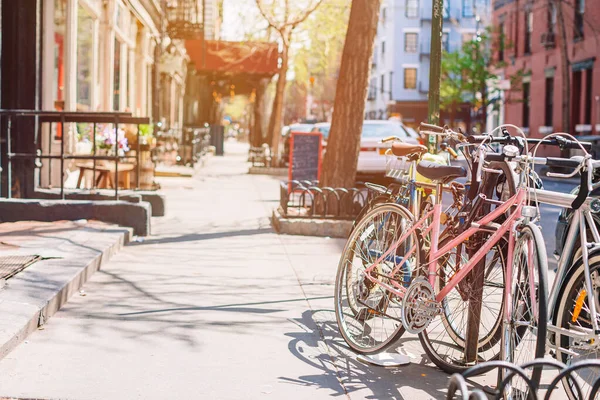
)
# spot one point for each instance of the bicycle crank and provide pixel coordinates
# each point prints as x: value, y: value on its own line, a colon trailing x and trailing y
x: 419, y: 306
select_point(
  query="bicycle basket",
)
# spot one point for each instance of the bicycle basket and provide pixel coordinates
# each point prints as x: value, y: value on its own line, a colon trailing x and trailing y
x: 396, y: 167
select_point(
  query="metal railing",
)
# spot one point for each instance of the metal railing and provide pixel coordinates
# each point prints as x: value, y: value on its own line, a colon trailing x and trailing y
x: 458, y: 387
x: 11, y: 118
x: 194, y: 144
x: 304, y: 199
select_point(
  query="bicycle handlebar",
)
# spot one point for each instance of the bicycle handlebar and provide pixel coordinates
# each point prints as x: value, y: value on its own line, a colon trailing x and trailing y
x: 555, y: 141
x: 432, y: 128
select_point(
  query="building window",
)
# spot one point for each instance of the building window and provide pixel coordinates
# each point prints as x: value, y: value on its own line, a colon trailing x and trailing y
x: 526, y: 104
x: 528, y: 31
x: 412, y: 8
x: 58, y: 81
x: 411, y: 41
x: 446, y: 41
x: 372, y: 91
x: 468, y: 8
x: 501, y: 42
x: 382, y: 51
x: 391, y: 85
x: 383, y: 15
x: 382, y: 83
x: 467, y: 37
x: 549, y: 103
x: 410, y: 78
x: 578, y: 23
x: 446, y: 9
x: 588, y: 97
x: 551, y: 17
x: 85, y: 54
x: 149, y: 88
x: 117, y: 76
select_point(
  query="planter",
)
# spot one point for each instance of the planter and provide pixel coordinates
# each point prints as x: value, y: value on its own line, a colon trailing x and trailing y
x: 84, y: 148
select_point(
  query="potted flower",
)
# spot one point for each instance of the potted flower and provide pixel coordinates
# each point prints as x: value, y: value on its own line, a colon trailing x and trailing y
x: 106, y: 140
x: 84, y: 143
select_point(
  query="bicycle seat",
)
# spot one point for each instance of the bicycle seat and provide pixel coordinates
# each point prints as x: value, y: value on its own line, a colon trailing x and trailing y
x: 439, y: 172
x: 400, y: 149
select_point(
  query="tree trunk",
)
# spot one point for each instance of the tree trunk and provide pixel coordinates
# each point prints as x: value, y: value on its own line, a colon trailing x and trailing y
x: 269, y: 136
x: 343, y: 145
x: 564, y: 60
x: 276, y: 117
x: 257, y: 131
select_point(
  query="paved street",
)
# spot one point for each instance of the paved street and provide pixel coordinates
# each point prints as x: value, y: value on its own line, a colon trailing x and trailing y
x: 213, y: 305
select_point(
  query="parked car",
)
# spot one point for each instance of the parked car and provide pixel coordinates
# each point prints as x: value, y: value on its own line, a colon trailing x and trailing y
x: 323, y: 128
x: 371, y: 159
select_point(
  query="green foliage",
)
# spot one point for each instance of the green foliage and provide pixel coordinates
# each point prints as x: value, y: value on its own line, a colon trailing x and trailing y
x: 466, y: 74
x: 317, y: 54
x: 146, y: 130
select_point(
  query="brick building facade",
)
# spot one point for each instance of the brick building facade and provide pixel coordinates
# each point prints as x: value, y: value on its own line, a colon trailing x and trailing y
x: 531, y: 42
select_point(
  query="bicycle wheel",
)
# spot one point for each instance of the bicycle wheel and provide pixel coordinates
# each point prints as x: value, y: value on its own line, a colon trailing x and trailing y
x: 367, y: 314
x: 573, y: 314
x: 444, y: 340
x: 524, y: 337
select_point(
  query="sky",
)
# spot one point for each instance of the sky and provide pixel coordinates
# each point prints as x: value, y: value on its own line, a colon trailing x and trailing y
x: 236, y: 15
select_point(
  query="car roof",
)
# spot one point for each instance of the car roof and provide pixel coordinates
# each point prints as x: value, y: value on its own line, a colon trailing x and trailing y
x: 380, y: 121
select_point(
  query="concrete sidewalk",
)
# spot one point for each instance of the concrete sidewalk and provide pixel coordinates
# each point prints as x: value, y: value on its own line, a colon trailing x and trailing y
x: 70, y: 253
x: 215, y: 305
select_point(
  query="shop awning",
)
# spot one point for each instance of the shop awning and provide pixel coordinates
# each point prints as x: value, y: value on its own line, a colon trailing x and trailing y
x: 233, y: 58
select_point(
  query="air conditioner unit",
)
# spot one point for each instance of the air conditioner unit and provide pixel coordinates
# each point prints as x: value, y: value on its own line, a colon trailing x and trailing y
x: 548, y: 39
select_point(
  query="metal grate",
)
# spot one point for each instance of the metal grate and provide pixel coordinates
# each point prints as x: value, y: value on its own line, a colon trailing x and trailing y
x: 12, y: 265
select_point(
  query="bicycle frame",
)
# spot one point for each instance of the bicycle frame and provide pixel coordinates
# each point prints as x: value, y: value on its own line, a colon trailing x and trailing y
x: 582, y: 220
x: 517, y: 200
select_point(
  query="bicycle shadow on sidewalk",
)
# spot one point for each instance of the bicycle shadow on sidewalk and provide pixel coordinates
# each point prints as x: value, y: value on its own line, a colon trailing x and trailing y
x: 317, y: 342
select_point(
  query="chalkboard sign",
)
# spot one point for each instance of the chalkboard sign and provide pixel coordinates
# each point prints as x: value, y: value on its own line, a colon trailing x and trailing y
x: 305, y: 156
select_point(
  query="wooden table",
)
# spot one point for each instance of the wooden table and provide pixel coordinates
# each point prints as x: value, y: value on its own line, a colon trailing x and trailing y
x: 105, y: 173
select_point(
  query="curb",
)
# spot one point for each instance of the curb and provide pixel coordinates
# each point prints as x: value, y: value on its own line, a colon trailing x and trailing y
x: 124, y: 213
x: 310, y: 227
x: 29, y: 305
x: 268, y: 171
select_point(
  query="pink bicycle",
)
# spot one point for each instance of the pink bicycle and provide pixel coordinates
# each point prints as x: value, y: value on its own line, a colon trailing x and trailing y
x: 396, y: 275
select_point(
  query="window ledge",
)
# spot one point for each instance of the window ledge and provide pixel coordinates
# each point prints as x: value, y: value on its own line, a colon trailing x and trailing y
x: 545, y: 130
x: 583, y: 128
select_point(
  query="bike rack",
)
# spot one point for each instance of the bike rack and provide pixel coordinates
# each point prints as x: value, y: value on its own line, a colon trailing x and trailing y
x: 305, y: 199
x: 458, y: 388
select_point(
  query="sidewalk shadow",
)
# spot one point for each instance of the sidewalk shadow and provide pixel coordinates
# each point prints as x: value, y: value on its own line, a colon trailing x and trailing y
x: 318, y: 343
x: 194, y: 237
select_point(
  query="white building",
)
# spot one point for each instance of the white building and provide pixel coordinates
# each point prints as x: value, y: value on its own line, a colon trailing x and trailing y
x: 400, y: 71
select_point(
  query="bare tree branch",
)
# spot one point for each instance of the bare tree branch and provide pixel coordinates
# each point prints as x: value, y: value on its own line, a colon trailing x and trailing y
x: 267, y: 18
x: 304, y: 15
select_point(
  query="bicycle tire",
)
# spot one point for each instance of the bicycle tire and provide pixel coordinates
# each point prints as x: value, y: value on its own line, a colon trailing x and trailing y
x: 445, y: 351
x: 518, y: 332
x: 566, y: 301
x: 446, y: 354
x: 355, y: 327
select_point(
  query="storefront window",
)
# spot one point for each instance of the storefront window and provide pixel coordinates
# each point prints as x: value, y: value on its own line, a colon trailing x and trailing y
x: 117, y: 77
x: 58, y: 86
x: 123, y: 18
x: 150, y: 101
x: 85, y: 54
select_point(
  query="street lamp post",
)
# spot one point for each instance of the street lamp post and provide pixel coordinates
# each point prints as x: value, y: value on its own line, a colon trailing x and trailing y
x: 435, y: 68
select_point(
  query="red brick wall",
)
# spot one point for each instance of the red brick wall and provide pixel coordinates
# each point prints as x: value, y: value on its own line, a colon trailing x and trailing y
x: 541, y: 58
